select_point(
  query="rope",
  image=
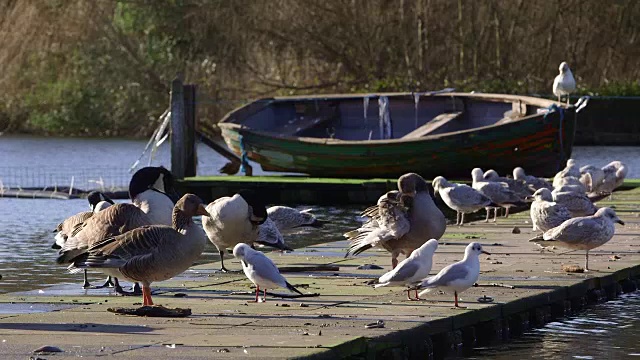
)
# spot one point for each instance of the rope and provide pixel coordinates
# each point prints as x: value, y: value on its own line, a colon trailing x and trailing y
x: 554, y: 108
x: 244, y: 159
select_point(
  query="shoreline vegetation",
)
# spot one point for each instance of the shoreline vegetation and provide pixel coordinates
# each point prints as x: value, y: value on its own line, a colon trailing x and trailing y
x: 86, y: 68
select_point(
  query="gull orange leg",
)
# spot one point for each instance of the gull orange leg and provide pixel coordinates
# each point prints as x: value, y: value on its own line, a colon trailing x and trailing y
x: 257, y: 292
x: 455, y: 294
x: 146, y: 295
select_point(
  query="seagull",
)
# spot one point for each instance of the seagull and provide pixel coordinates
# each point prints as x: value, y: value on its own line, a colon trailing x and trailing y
x: 498, y: 192
x: 411, y: 270
x: 459, y: 276
x: 577, y: 202
x: 583, y: 233
x: 288, y: 218
x: 269, y: 235
x: 564, y: 83
x: 591, y: 177
x: 460, y: 197
x: 405, y: 219
x: 571, y: 170
x: 261, y: 271
x: 546, y: 214
x: 614, y: 174
x: 533, y: 182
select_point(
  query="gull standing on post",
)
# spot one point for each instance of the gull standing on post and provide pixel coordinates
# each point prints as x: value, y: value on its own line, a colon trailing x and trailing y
x: 411, y: 270
x: 459, y: 276
x: 564, y: 83
x: 262, y: 272
x: 583, y: 233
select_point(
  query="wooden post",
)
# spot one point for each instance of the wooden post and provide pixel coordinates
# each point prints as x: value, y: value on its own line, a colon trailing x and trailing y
x: 191, y: 159
x: 178, y: 131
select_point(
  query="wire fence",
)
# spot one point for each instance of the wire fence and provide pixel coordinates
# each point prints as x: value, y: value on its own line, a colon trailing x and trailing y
x: 96, y: 178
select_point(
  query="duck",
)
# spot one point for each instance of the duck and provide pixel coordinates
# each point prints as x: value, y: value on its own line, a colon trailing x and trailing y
x: 287, y: 218
x: 498, y: 192
x: 411, y: 270
x: 564, y: 83
x: 261, y: 271
x: 460, y: 197
x: 583, y: 233
x: 236, y: 219
x: 404, y: 220
x: 150, y: 253
x: 458, y: 276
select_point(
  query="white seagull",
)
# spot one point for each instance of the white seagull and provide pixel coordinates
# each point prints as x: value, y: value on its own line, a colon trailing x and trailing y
x: 583, y: 233
x: 411, y: 270
x: 564, y: 83
x: 459, y: 276
x: 262, y: 272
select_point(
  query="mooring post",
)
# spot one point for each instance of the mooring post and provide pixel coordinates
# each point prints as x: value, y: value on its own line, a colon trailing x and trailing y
x: 191, y: 159
x: 178, y: 131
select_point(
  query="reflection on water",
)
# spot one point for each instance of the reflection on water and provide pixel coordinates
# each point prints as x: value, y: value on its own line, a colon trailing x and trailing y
x: 27, y: 260
x: 605, y: 331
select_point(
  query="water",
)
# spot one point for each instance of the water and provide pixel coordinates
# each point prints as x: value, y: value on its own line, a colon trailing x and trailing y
x: 28, y: 262
x: 605, y: 331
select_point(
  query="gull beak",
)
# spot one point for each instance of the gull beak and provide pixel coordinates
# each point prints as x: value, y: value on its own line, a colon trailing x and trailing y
x: 528, y: 198
x: 202, y: 211
x: 484, y: 252
x: 619, y: 221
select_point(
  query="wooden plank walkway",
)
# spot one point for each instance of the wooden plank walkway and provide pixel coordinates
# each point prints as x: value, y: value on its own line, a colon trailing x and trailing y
x: 225, y: 324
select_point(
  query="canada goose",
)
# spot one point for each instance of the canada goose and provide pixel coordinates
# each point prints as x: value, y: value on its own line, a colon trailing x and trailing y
x: 234, y: 220
x: 458, y: 276
x: 583, y: 233
x: 402, y: 221
x: 150, y: 253
x: 262, y: 272
x: 152, y: 190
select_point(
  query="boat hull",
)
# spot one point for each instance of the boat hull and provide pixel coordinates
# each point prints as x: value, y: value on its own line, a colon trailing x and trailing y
x: 540, y: 144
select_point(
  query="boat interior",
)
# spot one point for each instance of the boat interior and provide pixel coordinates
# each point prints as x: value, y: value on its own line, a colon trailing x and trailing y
x: 360, y: 118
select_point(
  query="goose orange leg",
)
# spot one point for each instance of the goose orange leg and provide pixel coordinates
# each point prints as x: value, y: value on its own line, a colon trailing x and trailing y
x: 146, y: 295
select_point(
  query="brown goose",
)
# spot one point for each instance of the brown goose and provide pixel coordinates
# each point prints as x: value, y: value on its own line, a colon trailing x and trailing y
x: 404, y: 221
x: 150, y: 253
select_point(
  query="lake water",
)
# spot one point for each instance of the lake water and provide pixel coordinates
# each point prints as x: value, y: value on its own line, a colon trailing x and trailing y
x: 27, y: 260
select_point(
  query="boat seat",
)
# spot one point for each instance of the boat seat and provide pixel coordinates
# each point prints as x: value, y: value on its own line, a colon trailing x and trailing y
x: 432, y: 125
x: 300, y: 124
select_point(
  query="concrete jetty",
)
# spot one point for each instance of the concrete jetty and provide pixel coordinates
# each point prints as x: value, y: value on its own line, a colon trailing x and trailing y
x: 532, y: 290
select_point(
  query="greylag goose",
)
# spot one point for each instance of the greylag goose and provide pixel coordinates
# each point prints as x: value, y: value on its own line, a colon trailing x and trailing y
x: 459, y: 276
x: 583, y: 233
x: 411, y: 270
x: 564, y: 83
x: 402, y: 221
x: 234, y: 220
x: 288, y: 218
x: 150, y: 253
x: 545, y: 213
x: 498, y: 192
x: 460, y: 197
x: 261, y: 271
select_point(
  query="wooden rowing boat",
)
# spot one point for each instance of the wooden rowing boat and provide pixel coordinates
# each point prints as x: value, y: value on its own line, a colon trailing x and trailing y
x: 388, y: 134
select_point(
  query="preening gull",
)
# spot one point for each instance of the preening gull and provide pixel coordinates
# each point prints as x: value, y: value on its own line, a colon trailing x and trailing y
x: 288, y: 218
x: 262, y: 272
x: 498, y: 192
x: 578, y: 203
x: 570, y: 170
x: 614, y: 174
x: 459, y: 276
x: 535, y: 183
x: 583, y: 233
x: 545, y: 213
x: 460, y: 197
x: 269, y: 235
x: 411, y: 270
x: 405, y: 220
x: 564, y: 83
x: 591, y: 177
